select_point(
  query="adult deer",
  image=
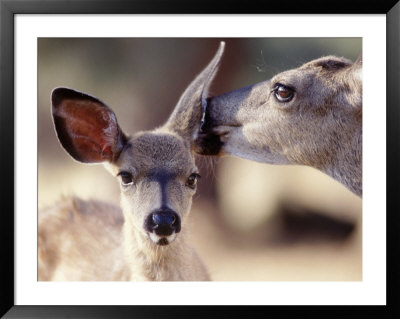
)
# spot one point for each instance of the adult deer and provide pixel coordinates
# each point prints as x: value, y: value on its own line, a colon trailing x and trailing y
x: 148, y: 240
x: 310, y: 116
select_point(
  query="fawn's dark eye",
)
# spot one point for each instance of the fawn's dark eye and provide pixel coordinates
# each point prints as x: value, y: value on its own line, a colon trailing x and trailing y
x: 192, y: 180
x: 126, y: 178
x: 283, y: 93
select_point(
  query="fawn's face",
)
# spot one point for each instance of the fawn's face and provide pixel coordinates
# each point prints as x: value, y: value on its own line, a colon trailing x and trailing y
x: 158, y: 178
x: 156, y: 169
x: 292, y: 118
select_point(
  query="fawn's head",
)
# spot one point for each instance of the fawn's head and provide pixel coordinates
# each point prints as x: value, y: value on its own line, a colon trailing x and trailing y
x: 156, y: 169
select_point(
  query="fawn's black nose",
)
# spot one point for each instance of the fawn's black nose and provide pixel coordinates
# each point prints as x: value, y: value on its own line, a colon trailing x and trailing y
x: 163, y: 222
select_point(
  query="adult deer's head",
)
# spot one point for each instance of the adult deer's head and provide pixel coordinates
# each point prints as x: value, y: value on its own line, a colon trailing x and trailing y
x: 310, y: 116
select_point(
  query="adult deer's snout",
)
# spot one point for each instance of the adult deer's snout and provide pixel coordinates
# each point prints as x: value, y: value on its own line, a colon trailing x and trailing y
x: 207, y: 141
x: 216, y: 109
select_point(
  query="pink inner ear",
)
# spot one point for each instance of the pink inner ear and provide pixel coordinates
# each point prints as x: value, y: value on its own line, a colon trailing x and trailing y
x: 92, y: 130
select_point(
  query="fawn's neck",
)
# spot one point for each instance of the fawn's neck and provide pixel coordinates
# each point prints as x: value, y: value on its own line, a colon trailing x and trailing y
x: 150, y: 262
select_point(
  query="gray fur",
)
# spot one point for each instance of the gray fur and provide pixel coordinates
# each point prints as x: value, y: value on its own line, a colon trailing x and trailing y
x: 320, y: 127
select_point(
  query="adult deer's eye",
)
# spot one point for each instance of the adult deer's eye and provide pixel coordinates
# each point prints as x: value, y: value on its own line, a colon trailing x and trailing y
x: 192, y: 180
x: 283, y: 93
x: 126, y: 178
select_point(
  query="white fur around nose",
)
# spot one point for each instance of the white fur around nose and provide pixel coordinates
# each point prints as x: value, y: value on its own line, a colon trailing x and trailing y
x: 155, y: 238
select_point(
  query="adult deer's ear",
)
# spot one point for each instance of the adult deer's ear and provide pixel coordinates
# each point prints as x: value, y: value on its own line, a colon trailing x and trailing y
x: 354, y: 82
x: 358, y: 62
x: 357, y: 69
x: 187, y: 115
x: 86, y: 127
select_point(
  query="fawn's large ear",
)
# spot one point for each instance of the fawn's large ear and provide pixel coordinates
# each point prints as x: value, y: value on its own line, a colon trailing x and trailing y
x: 187, y: 115
x: 86, y: 127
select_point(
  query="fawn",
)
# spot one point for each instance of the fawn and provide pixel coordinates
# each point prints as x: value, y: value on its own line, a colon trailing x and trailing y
x: 148, y: 239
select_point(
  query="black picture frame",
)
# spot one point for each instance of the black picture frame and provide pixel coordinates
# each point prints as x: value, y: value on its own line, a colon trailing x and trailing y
x: 8, y: 10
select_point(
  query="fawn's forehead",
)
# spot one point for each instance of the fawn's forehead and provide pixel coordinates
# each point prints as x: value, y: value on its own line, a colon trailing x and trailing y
x: 152, y: 150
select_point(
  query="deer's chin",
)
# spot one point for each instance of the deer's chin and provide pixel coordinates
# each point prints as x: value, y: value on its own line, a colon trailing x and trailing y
x: 162, y: 240
x: 236, y: 143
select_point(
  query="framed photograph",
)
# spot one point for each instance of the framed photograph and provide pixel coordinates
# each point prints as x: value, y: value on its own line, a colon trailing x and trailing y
x: 281, y: 235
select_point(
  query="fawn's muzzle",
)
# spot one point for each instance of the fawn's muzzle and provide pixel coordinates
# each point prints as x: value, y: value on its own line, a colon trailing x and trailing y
x: 163, y: 223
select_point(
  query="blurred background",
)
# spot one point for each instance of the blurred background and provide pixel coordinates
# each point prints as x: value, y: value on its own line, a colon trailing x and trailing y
x: 254, y: 222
